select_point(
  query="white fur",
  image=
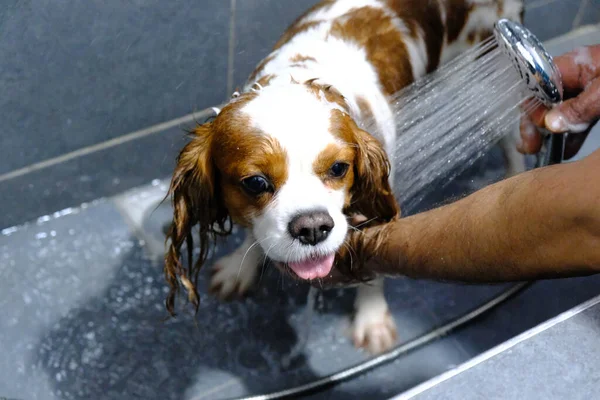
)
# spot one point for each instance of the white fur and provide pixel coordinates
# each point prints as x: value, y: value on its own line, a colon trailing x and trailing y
x: 340, y: 8
x: 373, y: 326
x: 235, y: 273
x: 483, y: 16
x: 300, y: 122
x: 442, y: 9
x: 302, y: 139
x: 339, y: 64
x: 417, y: 50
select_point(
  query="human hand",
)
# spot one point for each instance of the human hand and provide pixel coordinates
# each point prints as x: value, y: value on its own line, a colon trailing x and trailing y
x: 354, y: 261
x: 580, y: 70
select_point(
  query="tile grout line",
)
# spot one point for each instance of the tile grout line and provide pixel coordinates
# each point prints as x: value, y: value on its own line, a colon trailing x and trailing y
x: 579, y: 16
x: 231, y: 50
x: 439, y: 320
x: 215, y: 389
x: 143, y: 132
x: 539, y: 3
x: 102, y: 146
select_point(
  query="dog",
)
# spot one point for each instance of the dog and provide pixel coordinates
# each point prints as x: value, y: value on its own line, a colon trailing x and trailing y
x: 288, y: 160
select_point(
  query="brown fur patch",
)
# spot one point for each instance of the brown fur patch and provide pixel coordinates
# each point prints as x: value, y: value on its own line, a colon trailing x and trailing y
x: 330, y: 93
x: 300, y: 61
x: 485, y: 33
x: 373, y: 30
x: 299, y: 26
x: 241, y: 152
x: 206, y: 189
x: 265, y: 80
x: 471, y: 37
x: 457, y: 14
x: 426, y: 16
x: 294, y: 30
x: 331, y: 154
x: 299, y: 58
x: 371, y: 194
x: 522, y: 14
x: 478, y: 35
x: 196, y: 201
x: 260, y: 67
x: 253, y: 155
x: 366, y: 113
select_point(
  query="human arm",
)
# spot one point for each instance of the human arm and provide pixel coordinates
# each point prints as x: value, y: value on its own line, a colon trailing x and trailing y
x: 540, y: 224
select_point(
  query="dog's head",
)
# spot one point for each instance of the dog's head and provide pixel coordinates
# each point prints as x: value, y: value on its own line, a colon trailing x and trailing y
x: 289, y: 164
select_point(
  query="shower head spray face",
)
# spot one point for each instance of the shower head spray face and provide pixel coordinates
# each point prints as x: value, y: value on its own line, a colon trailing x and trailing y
x: 532, y: 62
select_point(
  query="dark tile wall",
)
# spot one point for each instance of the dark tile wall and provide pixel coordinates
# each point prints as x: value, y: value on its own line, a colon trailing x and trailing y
x: 551, y: 18
x: 75, y: 74
x: 590, y: 12
x: 258, y: 25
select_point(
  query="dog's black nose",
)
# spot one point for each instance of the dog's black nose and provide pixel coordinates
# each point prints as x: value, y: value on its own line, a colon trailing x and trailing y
x: 311, y: 227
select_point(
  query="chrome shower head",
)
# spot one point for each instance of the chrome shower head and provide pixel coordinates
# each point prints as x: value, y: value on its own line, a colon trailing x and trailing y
x: 532, y: 62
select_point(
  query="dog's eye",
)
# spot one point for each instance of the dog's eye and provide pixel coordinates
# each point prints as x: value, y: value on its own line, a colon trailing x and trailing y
x: 338, y: 170
x: 256, y: 185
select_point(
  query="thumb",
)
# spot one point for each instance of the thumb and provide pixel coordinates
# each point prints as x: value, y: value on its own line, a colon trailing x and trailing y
x: 577, y: 114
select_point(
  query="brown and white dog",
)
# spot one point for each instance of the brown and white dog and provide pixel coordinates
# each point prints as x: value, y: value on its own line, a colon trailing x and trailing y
x: 286, y: 158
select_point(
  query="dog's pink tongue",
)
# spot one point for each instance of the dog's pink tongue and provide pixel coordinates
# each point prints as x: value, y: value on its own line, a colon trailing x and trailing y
x: 313, y: 268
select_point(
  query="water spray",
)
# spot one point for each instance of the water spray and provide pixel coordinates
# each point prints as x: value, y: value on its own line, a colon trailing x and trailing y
x: 531, y: 74
x: 448, y: 120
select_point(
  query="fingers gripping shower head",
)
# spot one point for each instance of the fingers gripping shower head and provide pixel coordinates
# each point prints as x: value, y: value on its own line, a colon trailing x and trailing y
x: 531, y: 61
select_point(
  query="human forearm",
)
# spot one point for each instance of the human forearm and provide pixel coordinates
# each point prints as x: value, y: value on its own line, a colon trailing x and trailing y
x: 544, y: 223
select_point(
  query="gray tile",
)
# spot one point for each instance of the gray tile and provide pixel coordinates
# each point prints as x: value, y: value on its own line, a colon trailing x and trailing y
x: 583, y: 36
x: 100, y: 174
x: 591, y: 144
x: 590, y: 14
x: 552, y: 19
x: 542, y: 301
x: 557, y: 363
x: 399, y: 375
x: 258, y: 25
x: 45, y: 271
x: 77, y: 73
x: 82, y: 180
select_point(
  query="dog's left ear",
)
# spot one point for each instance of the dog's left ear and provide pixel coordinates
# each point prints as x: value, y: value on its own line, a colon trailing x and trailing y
x: 372, y: 195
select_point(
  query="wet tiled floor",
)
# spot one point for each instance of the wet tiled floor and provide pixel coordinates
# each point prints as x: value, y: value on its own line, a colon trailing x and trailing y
x: 83, y: 316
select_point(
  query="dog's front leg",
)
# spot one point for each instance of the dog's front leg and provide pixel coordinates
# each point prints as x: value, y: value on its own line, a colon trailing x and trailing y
x: 373, y: 327
x: 234, y: 274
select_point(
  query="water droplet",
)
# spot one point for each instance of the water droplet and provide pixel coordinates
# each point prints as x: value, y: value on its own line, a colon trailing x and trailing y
x: 26, y: 298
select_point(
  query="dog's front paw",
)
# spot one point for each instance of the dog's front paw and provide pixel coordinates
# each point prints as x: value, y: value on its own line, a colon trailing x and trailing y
x: 233, y: 276
x: 374, y: 331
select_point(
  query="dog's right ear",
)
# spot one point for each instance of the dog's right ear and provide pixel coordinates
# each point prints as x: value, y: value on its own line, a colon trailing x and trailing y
x: 196, y: 200
x: 372, y: 195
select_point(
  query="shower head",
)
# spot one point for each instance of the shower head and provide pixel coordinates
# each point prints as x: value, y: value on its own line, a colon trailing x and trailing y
x: 539, y: 73
x: 532, y: 62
